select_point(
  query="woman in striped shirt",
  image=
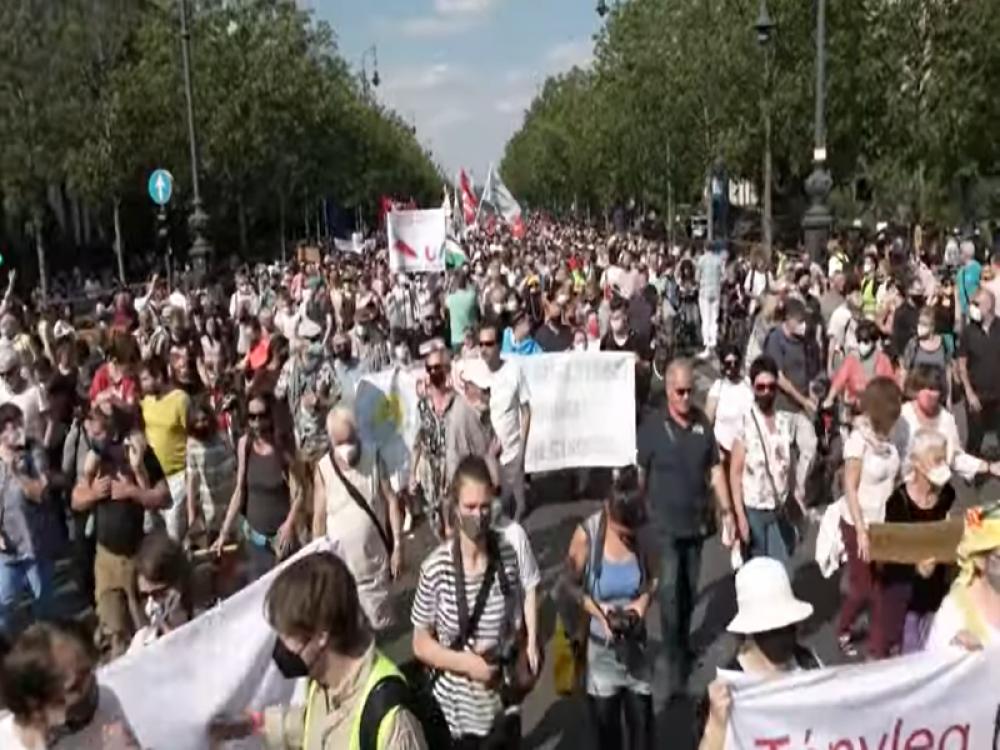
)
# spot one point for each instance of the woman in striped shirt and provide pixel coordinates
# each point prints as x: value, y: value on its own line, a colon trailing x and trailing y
x: 462, y: 629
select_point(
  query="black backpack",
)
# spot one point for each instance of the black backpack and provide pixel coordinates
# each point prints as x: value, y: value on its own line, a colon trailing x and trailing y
x: 389, y: 693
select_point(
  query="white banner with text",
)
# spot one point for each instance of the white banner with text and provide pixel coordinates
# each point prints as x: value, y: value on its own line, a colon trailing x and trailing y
x: 930, y: 701
x: 416, y: 241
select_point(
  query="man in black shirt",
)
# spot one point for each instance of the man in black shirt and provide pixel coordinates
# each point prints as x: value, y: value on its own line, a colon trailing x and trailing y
x: 554, y: 335
x: 979, y: 367
x: 904, y: 320
x: 128, y: 481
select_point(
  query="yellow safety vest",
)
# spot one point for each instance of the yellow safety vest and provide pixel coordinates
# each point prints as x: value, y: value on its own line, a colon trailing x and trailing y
x: 869, y: 302
x: 380, y: 670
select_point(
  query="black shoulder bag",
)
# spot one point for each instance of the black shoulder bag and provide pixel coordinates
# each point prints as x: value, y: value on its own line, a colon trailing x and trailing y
x: 359, y: 499
x: 788, y: 525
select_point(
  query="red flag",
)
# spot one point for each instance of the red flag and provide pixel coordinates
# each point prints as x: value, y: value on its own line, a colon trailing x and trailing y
x: 385, y: 206
x: 469, y: 202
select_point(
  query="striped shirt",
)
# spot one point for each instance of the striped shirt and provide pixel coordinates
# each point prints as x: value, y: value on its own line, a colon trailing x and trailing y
x: 468, y: 706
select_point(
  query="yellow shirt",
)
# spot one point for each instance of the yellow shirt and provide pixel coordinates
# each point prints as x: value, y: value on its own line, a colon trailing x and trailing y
x: 166, y: 428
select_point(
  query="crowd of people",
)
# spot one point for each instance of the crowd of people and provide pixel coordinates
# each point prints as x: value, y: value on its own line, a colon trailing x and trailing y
x: 178, y: 444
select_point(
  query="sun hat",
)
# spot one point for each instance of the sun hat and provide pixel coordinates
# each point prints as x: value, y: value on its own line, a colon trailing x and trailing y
x: 764, y: 598
x: 476, y: 372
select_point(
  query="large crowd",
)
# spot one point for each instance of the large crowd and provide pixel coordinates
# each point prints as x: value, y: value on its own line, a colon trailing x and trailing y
x: 173, y: 446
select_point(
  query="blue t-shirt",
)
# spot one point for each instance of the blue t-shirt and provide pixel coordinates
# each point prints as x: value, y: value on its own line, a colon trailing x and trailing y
x: 967, y: 282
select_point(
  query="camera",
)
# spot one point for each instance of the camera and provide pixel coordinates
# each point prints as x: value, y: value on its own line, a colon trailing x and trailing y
x: 628, y: 632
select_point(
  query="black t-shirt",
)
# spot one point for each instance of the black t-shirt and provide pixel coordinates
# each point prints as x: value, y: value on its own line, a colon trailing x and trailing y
x: 982, y: 352
x: 926, y: 594
x: 904, y: 327
x: 119, y: 522
x: 558, y: 340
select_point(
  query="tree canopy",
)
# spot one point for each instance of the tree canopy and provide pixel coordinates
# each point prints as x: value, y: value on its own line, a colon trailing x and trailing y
x: 678, y: 84
x: 93, y: 100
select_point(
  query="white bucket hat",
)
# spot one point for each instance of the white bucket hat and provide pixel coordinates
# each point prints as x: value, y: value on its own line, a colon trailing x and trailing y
x: 765, y: 599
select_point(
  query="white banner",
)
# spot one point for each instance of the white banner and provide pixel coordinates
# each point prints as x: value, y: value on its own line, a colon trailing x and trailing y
x: 582, y: 410
x: 219, y: 664
x: 416, y: 240
x: 930, y: 701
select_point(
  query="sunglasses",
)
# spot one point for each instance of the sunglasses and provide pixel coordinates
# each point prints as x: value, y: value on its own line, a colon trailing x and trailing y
x: 256, y: 416
x: 488, y: 342
x: 730, y: 362
x: 683, y: 392
x: 435, y: 368
x: 765, y: 387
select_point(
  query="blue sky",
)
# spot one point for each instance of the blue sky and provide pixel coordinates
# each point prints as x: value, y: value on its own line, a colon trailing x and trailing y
x: 463, y: 71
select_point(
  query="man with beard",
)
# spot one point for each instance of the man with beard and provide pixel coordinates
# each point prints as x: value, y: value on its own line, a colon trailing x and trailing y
x: 346, y: 367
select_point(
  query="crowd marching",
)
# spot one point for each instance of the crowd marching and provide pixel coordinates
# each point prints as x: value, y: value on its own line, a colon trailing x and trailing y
x: 175, y: 445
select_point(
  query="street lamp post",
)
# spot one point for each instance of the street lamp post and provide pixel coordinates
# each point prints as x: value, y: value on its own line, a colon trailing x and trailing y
x: 375, y: 79
x: 817, y: 220
x: 764, y: 27
x: 201, y: 250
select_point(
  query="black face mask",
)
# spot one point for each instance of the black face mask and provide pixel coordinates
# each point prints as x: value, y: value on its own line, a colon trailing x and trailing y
x: 777, y: 645
x: 731, y: 371
x: 291, y: 665
x: 438, y: 378
x: 764, y: 401
x: 918, y: 300
x: 342, y: 354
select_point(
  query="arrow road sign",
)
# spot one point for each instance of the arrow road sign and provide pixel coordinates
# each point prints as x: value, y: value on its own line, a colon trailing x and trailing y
x: 161, y: 186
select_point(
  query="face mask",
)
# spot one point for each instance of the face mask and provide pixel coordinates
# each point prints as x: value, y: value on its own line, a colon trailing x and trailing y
x: 475, y: 526
x: 940, y: 475
x: 618, y: 326
x: 764, y: 401
x: 869, y: 268
x: 731, y: 371
x: 924, y: 331
x: 918, y: 300
x: 777, y: 645
x: 342, y: 354
x: 291, y: 665
x: 800, y: 329
x: 975, y: 314
x: 866, y: 348
x: 580, y: 346
x: 81, y: 713
x: 349, y: 453
x: 159, y: 612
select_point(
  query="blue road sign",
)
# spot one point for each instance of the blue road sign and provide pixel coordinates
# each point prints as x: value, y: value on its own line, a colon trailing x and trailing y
x: 161, y: 187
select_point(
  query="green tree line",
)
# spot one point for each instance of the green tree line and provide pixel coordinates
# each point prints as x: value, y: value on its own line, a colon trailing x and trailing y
x: 678, y: 84
x: 92, y: 99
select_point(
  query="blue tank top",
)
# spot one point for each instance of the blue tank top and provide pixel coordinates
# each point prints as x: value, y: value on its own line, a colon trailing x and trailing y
x: 618, y: 585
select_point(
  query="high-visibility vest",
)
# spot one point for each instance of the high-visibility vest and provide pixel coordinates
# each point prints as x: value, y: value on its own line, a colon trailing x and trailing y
x: 382, y: 669
x: 869, y: 289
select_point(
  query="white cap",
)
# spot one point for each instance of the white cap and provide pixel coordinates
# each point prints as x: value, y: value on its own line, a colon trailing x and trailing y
x: 765, y: 599
x: 476, y: 372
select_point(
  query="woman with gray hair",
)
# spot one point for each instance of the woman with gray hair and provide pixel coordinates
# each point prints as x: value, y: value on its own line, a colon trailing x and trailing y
x: 911, y: 594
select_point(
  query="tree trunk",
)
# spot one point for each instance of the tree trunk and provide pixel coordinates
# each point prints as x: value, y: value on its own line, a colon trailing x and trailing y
x: 241, y: 214
x: 119, y: 248
x: 281, y: 224
x: 43, y: 283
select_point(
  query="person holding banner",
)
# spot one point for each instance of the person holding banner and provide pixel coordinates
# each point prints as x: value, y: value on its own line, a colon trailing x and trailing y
x: 969, y: 616
x: 766, y: 623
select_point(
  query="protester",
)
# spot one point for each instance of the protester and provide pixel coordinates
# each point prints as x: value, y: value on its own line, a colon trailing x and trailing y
x: 857, y: 370
x: 210, y: 474
x: 428, y: 464
x: 968, y: 616
x: 465, y: 644
x: 355, y: 507
x: 510, y: 414
x: 871, y: 466
x: 729, y: 398
x: 768, y: 467
x: 163, y: 588
x: 787, y: 346
x: 613, y: 577
x: 766, y: 623
x: 680, y: 469
x: 979, y: 369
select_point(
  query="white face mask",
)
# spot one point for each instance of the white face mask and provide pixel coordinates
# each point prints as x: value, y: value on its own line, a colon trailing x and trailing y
x: 160, y: 613
x: 580, y: 346
x: 866, y: 348
x: 923, y: 331
x: 975, y: 314
x: 348, y: 452
x: 940, y: 475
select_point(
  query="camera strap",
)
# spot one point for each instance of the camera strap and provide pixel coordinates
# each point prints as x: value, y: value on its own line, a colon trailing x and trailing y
x: 467, y: 624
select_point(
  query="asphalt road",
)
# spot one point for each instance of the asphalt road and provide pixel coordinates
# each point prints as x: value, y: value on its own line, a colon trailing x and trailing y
x: 552, y: 722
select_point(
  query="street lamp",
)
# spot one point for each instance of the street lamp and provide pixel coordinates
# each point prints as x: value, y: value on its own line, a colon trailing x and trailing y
x: 376, y: 79
x: 764, y: 27
x: 200, y: 250
x: 817, y: 219
x: 602, y: 8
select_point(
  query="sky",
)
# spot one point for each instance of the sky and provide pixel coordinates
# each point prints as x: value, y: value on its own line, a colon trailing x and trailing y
x: 463, y: 71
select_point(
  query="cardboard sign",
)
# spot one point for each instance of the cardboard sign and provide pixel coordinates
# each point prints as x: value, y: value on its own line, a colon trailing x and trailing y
x: 912, y: 543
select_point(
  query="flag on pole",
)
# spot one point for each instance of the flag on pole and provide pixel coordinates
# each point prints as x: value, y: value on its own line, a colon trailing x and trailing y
x: 469, y: 202
x: 497, y: 197
x: 454, y: 255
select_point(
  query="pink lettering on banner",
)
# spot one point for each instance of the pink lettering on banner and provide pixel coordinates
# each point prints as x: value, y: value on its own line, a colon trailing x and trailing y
x: 921, y: 739
x: 961, y: 732
x: 773, y: 744
x: 842, y: 745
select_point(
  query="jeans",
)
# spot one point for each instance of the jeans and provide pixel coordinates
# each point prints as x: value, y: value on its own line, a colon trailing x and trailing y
x: 680, y: 568
x: 18, y: 574
x: 709, y: 310
x: 512, y: 491
x: 765, y: 535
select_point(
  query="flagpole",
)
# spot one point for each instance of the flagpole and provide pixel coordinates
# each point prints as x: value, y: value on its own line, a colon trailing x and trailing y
x: 489, y: 177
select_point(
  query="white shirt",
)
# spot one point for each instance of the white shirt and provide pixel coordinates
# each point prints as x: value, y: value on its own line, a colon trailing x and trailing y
x: 949, y: 622
x: 733, y: 400
x: 239, y: 300
x: 31, y: 402
x: 508, y: 393
x: 8, y: 737
x: 879, y: 469
x: 909, y: 425
x: 841, y: 330
x: 527, y: 565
